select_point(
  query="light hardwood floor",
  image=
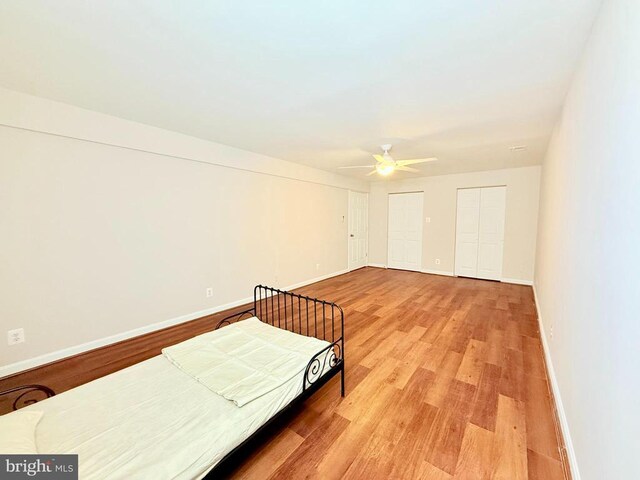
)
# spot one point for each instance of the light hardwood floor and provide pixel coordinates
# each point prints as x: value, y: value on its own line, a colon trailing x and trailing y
x: 445, y: 380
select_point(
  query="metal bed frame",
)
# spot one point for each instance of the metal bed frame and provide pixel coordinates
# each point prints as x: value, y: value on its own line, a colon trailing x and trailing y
x: 303, y: 315
x: 287, y: 310
x: 22, y: 399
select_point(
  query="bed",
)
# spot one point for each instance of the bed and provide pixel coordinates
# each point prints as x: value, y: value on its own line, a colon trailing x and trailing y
x: 156, y: 420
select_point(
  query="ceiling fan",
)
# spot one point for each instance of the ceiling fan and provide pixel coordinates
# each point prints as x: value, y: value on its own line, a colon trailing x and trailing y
x: 387, y: 165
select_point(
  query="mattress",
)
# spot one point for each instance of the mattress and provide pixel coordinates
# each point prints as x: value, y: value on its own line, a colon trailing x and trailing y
x: 151, y: 421
x: 245, y: 360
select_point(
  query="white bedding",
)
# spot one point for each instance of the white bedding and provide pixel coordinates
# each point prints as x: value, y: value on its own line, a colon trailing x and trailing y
x: 245, y: 360
x: 151, y: 421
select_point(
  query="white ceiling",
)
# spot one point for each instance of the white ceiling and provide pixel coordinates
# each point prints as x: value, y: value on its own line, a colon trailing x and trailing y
x: 319, y: 83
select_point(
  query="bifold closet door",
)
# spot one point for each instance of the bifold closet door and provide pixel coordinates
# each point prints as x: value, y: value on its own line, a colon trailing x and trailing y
x: 405, y: 231
x: 467, y: 232
x: 480, y: 232
x: 491, y: 233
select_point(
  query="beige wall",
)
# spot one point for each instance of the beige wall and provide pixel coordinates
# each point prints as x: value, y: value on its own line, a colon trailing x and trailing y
x: 588, y: 267
x: 440, y: 195
x: 100, y: 240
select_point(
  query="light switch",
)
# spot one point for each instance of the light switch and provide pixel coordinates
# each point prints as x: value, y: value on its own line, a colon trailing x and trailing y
x: 428, y: 219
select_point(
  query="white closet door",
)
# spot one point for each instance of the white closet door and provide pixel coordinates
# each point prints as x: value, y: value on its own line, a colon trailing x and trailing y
x: 480, y: 232
x: 491, y: 232
x: 405, y: 231
x: 467, y: 232
x: 358, y: 229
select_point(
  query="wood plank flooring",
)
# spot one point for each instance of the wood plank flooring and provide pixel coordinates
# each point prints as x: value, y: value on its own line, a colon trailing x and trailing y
x: 445, y: 380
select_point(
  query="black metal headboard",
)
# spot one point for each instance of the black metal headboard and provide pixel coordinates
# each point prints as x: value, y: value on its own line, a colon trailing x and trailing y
x: 30, y: 395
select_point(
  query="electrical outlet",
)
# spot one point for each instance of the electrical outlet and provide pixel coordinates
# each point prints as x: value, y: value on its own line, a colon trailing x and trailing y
x: 209, y: 292
x: 317, y: 266
x: 551, y: 332
x: 428, y: 219
x: 437, y: 261
x: 15, y: 336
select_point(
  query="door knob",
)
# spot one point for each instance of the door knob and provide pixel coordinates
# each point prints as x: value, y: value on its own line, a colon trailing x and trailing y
x: 351, y: 235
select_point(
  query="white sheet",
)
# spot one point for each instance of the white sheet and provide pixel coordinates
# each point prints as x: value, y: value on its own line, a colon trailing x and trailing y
x: 151, y: 421
x: 245, y: 360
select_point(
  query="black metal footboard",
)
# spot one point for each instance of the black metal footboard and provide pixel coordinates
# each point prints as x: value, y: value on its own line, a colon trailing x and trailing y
x: 305, y: 316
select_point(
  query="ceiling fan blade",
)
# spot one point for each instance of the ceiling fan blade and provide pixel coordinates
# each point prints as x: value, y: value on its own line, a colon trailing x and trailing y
x: 359, y: 166
x: 379, y: 158
x: 406, y: 169
x: 415, y: 160
x: 371, y: 172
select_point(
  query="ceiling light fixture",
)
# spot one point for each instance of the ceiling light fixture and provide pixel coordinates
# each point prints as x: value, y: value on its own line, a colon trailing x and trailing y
x: 387, y: 165
x: 385, y: 169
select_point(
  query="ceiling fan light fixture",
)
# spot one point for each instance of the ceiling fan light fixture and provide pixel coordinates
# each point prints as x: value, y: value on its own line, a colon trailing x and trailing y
x: 385, y: 169
x: 386, y: 165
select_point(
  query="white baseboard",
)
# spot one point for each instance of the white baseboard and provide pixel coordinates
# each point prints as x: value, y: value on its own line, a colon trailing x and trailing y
x: 313, y: 280
x: 564, y: 424
x: 517, y: 281
x: 438, y: 272
x: 92, y: 345
x: 377, y: 265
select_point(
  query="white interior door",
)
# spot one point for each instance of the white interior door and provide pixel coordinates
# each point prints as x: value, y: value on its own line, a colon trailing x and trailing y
x: 405, y: 231
x: 358, y: 229
x: 467, y: 232
x: 480, y: 232
x: 491, y: 233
